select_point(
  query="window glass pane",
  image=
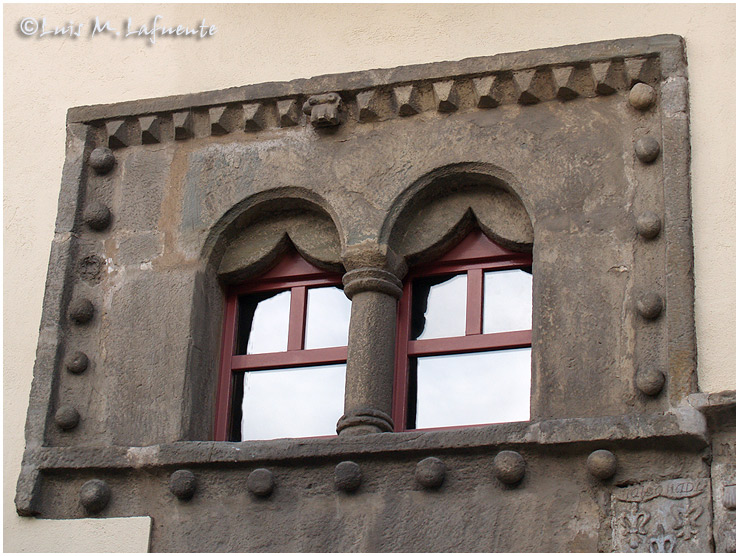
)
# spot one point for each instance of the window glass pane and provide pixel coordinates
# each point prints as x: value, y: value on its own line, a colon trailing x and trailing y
x: 507, y: 301
x: 263, y: 322
x: 327, y: 318
x: 439, y: 307
x: 282, y: 403
x: 473, y: 388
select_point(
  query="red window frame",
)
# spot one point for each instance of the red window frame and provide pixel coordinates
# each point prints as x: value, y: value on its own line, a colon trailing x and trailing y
x: 474, y: 255
x: 292, y: 273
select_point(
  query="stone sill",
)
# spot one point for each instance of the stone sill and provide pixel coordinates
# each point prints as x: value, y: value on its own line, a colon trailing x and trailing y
x: 683, y: 428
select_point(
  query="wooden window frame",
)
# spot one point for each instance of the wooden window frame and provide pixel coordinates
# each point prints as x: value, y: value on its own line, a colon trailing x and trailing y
x: 473, y: 256
x: 292, y: 273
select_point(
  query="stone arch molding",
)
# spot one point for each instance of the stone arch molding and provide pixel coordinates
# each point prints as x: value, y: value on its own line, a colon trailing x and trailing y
x: 443, y: 206
x: 251, y: 236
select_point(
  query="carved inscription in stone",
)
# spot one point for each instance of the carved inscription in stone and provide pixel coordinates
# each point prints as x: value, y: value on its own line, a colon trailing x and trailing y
x: 670, y: 516
x: 723, y: 479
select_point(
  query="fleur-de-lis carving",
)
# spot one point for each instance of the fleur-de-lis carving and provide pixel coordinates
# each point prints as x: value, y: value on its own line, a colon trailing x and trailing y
x: 635, y: 521
x: 685, y: 521
x: 661, y: 542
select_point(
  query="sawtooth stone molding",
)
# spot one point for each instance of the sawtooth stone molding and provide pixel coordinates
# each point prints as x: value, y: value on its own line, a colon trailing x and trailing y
x: 167, y: 202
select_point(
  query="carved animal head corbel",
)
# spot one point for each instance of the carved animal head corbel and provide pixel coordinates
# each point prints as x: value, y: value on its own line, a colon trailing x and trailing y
x: 324, y: 110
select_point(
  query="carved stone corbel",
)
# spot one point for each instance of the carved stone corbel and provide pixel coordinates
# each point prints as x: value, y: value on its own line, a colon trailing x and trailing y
x: 323, y: 110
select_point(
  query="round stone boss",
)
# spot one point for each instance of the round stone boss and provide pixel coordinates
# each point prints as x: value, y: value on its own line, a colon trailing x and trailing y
x: 66, y: 417
x: 509, y: 467
x: 430, y: 472
x: 649, y: 225
x: 649, y: 380
x: 348, y: 476
x: 81, y: 310
x: 102, y: 160
x: 647, y: 149
x: 602, y: 464
x: 182, y: 483
x: 95, y: 495
x: 649, y: 305
x: 261, y: 482
x: 642, y: 96
x: 97, y: 216
x: 77, y: 362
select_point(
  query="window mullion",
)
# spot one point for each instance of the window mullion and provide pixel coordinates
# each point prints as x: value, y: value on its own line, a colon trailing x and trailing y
x: 296, y: 329
x: 223, y: 407
x: 400, y: 388
x: 474, y: 301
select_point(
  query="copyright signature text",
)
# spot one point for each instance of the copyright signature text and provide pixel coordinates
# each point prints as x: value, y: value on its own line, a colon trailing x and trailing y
x: 150, y: 30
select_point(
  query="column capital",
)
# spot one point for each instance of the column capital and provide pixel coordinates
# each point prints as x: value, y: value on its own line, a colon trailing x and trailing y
x: 372, y: 279
x: 371, y: 254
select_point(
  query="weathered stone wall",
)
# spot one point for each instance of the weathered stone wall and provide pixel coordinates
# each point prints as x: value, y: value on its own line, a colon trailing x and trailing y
x: 699, y: 24
x: 579, y: 153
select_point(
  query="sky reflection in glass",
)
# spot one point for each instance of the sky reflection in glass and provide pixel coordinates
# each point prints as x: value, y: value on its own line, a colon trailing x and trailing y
x: 268, y: 328
x: 327, y: 318
x: 474, y: 388
x: 439, y: 305
x: 507, y: 301
x: 295, y: 402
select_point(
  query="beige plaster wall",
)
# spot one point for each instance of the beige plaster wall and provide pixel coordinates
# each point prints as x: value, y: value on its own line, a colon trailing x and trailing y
x: 256, y: 43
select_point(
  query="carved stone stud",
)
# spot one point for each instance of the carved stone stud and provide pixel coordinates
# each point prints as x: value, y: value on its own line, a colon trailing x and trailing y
x: 641, y: 96
x: 367, y: 104
x: 607, y: 77
x: 602, y: 464
x: 77, y: 362
x: 261, y: 482
x: 97, y: 216
x: 102, y: 160
x: 639, y: 70
x: 182, y: 484
x: 288, y: 112
x: 647, y: 149
x: 525, y: 81
x: 224, y: 119
x: 90, y: 267
x: 564, y: 82
x: 81, y: 310
x: 729, y: 498
x: 509, y: 467
x: 406, y: 100
x: 66, y: 417
x: 348, y: 476
x: 254, y: 117
x: 323, y: 110
x: 430, y: 472
x: 650, y: 381
x: 151, y: 130
x: 446, y: 96
x: 183, y: 125
x: 122, y: 133
x: 649, y: 225
x: 485, y: 91
x: 95, y: 496
x: 649, y: 305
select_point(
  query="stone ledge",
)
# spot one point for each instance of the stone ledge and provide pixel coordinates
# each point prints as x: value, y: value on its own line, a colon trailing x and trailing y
x: 684, y: 427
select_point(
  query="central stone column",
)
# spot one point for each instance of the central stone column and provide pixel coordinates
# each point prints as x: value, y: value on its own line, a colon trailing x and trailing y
x: 374, y: 291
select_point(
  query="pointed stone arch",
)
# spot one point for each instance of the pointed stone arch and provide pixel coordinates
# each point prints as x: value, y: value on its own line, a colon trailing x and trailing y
x: 441, y: 208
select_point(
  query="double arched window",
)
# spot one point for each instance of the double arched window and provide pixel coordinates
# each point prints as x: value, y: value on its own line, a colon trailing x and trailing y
x: 462, y: 351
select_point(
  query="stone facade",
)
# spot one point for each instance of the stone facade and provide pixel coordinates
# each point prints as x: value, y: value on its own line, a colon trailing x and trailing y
x: 578, y: 154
